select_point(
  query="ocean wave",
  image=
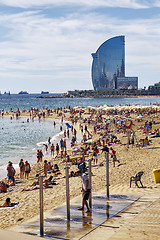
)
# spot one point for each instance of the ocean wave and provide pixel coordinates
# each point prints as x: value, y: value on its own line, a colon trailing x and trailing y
x: 54, y: 139
x: 40, y: 144
x: 10, y: 147
x: 24, y: 144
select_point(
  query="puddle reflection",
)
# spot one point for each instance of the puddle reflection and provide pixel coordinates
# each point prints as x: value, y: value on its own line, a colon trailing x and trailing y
x: 56, y: 223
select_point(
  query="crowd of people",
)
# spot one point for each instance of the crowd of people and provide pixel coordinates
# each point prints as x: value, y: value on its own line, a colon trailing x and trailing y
x: 100, y: 133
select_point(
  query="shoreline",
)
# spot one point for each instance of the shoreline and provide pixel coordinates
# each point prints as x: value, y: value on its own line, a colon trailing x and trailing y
x: 28, y: 152
x: 105, y: 96
x: 132, y: 160
x: 32, y: 159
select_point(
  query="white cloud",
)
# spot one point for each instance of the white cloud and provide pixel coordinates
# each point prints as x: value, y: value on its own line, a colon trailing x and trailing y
x: 136, y: 4
x: 57, y: 50
x: 156, y: 3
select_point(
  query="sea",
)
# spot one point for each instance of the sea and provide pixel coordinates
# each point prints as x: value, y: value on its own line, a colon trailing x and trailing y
x: 20, y: 138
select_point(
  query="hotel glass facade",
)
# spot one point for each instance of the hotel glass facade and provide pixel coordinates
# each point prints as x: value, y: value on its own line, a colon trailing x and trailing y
x: 109, y: 64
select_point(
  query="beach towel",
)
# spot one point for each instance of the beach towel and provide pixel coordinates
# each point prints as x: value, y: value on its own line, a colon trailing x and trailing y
x: 13, y: 189
x: 10, y: 190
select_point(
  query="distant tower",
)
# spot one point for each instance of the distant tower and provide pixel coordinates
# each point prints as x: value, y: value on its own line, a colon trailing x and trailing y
x: 108, y: 63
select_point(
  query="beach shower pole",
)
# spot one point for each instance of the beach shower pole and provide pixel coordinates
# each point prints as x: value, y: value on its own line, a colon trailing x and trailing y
x: 67, y: 193
x: 90, y: 173
x: 41, y: 204
x: 107, y: 174
x: 107, y: 210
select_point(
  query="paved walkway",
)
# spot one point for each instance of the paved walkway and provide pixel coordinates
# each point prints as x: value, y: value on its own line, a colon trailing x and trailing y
x: 140, y: 220
x: 81, y: 223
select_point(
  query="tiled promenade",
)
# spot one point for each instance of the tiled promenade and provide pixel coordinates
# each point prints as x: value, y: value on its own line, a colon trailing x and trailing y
x: 135, y: 215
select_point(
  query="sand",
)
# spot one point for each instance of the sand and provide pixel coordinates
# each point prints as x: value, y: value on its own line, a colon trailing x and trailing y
x: 132, y: 160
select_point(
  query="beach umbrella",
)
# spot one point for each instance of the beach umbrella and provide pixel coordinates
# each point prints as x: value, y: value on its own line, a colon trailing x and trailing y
x: 68, y: 125
x: 120, y: 122
x: 90, y: 141
x: 140, y: 117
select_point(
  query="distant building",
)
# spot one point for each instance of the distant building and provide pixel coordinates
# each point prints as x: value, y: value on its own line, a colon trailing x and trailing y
x: 156, y: 86
x: 108, y: 67
x: 127, y: 83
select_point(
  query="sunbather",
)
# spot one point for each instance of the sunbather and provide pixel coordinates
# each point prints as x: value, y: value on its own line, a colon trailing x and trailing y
x: 7, y: 203
x: 3, y: 187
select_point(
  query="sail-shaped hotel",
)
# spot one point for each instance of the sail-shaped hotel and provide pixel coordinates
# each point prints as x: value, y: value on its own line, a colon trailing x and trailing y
x: 108, y: 67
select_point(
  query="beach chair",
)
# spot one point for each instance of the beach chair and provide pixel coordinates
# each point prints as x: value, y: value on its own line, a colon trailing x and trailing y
x: 136, y: 178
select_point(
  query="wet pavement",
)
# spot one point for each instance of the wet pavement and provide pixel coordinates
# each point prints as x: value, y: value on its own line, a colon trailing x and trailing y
x: 81, y: 223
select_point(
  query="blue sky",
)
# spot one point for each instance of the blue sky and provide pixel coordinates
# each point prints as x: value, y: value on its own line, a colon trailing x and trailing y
x: 47, y: 44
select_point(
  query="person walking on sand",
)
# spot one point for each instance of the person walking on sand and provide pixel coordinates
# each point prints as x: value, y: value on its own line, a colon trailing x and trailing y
x: 61, y: 144
x: 11, y: 173
x: 105, y: 149
x: 86, y: 189
x: 113, y: 156
x: 64, y: 144
x: 52, y: 150
x: 46, y: 167
x: 68, y: 132
x: 21, y: 166
x: 27, y: 169
x: 40, y: 155
x: 132, y: 139
x: 95, y: 154
x: 57, y: 150
x: 49, y: 141
x: 46, y: 148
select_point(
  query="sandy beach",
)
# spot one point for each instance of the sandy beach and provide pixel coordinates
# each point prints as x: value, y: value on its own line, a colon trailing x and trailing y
x: 132, y: 159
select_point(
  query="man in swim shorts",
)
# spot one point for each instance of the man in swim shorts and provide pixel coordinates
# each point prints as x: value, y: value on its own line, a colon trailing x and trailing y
x: 86, y: 189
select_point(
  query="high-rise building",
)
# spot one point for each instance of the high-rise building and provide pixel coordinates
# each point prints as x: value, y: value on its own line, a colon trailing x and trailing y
x: 109, y: 66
